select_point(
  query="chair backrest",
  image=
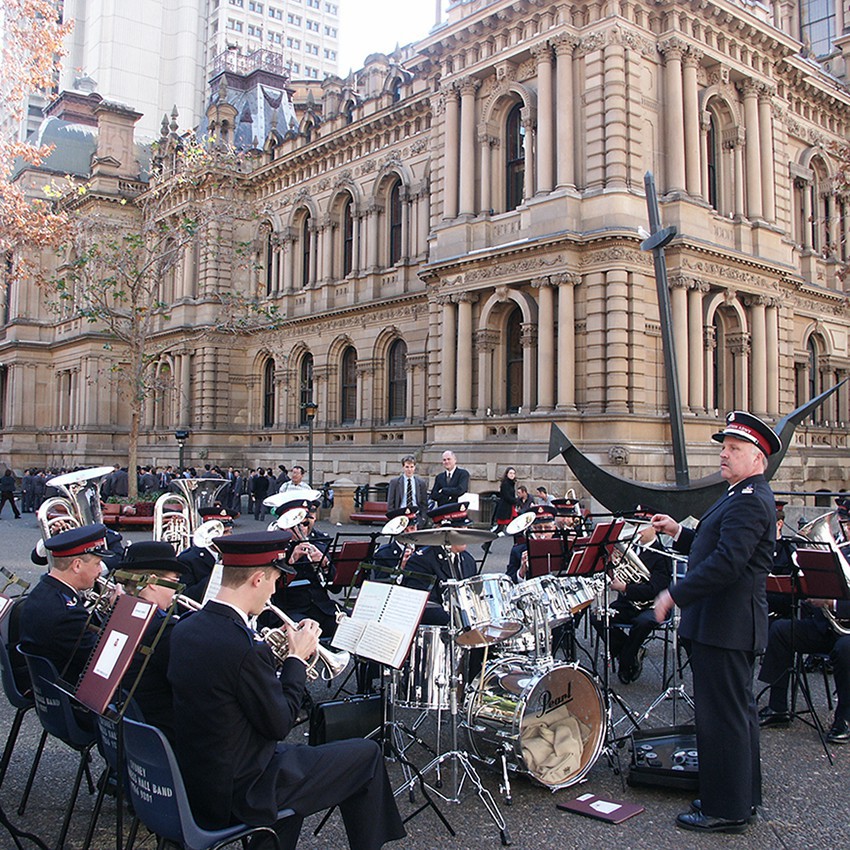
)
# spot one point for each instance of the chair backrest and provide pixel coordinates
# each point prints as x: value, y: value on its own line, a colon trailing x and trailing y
x: 52, y: 705
x: 348, y: 559
x: 10, y: 686
x: 156, y: 787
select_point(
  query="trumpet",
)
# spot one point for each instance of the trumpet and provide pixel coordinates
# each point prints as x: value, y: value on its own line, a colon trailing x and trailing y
x: 187, y: 603
x: 322, y: 662
x: 100, y: 598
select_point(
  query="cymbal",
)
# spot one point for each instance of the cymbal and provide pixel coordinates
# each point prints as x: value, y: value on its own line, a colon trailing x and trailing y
x: 449, y: 536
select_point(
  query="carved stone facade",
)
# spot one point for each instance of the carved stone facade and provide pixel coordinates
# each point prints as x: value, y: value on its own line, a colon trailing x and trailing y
x: 453, y: 242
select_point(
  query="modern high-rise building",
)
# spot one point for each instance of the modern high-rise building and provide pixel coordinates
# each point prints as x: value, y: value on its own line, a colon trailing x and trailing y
x: 158, y: 54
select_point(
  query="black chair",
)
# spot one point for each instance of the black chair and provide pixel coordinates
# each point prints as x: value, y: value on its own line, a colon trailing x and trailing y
x: 22, y: 702
x: 162, y: 804
x: 56, y: 714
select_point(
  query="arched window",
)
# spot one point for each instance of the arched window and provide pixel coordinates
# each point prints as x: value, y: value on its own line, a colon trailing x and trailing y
x: 268, y: 394
x: 395, y: 223
x: 713, y: 152
x: 820, y: 206
x: 347, y: 238
x: 306, y: 236
x: 348, y: 112
x: 513, y: 361
x: 308, y: 132
x: 348, y: 386
x: 269, y: 262
x: 397, y: 381
x: 395, y: 90
x: 305, y: 394
x: 514, y: 158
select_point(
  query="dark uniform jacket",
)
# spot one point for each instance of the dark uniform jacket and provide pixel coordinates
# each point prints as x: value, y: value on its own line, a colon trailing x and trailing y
x: 389, y: 556
x: 722, y: 597
x: 198, y: 566
x: 304, y: 595
x: 660, y: 569
x: 444, y: 491
x: 53, y: 625
x: 434, y: 561
x: 230, y: 711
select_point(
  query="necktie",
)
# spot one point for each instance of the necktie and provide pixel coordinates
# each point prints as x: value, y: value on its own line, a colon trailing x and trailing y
x: 409, y: 493
x: 456, y: 565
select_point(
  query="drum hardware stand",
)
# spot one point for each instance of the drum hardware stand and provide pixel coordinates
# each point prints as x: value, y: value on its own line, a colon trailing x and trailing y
x: 674, y: 687
x: 459, y: 759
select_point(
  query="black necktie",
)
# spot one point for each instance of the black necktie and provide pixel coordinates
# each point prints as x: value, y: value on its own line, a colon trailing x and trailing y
x: 409, y: 493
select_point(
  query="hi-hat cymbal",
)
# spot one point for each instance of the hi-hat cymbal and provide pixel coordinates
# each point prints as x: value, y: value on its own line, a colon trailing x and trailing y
x: 449, y: 536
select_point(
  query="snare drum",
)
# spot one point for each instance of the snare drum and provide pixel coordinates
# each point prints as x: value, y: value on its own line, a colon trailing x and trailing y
x: 552, y: 718
x: 553, y: 595
x: 423, y: 682
x: 482, y: 609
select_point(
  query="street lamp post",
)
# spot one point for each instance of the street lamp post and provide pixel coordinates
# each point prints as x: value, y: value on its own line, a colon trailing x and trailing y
x: 181, y: 435
x: 310, y: 409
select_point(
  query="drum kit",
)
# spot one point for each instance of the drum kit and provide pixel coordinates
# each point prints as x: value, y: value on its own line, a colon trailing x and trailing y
x: 524, y: 712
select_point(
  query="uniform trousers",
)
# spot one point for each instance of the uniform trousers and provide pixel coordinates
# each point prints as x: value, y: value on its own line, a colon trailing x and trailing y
x: 727, y: 731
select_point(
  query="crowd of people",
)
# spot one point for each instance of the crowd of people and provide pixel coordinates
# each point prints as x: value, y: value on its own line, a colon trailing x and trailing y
x: 211, y: 671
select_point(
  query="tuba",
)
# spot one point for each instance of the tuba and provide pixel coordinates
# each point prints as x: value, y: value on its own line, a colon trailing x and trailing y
x: 324, y: 661
x: 79, y: 503
x: 820, y: 530
x: 175, y: 514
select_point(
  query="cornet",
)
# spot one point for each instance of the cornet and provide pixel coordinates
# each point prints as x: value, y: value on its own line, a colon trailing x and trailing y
x: 332, y: 663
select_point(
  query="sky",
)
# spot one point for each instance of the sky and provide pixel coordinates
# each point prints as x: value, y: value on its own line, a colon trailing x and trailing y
x: 376, y: 26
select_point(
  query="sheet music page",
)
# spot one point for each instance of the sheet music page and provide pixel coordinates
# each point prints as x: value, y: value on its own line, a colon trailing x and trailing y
x: 348, y: 634
x: 371, y: 600
x: 404, y: 608
x: 213, y: 585
x: 381, y: 643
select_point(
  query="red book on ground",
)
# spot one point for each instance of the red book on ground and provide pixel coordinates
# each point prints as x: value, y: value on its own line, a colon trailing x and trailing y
x: 596, y: 807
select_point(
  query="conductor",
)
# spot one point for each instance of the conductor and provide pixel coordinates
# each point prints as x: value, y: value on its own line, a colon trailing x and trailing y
x: 724, y: 616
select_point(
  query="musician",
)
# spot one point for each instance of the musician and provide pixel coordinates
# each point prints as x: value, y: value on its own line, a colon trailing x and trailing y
x: 441, y: 562
x: 197, y: 562
x: 630, y: 606
x: 153, y: 696
x: 395, y: 554
x: 408, y: 490
x: 306, y: 595
x: 724, y: 616
x: 53, y: 618
x: 233, y: 711
x: 779, y: 604
x: 111, y: 557
x: 542, y: 527
x: 451, y: 483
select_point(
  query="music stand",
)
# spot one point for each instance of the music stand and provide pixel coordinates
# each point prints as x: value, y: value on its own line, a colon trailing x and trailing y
x: 546, y: 555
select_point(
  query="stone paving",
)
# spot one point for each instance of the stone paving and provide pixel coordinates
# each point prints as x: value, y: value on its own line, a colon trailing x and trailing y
x: 805, y: 798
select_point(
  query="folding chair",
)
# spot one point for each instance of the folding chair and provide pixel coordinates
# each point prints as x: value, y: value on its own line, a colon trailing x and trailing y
x: 166, y: 811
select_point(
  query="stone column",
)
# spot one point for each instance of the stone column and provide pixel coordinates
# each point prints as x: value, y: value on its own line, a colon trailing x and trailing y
x: 690, y: 94
x: 404, y: 198
x: 451, y: 167
x: 485, y: 145
x: 188, y: 264
x: 750, y: 89
x: 449, y: 355
x: 464, y: 352
x: 528, y: 340
x: 286, y: 260
x: 417, y: 365
x: 566, y: 348
x: 468, y: 88
x: 740, y: 347
x: 327, y: 248
x: 733, y: 142
x: 356, y: 225
x: 759, y: 355
x: 424, y: 220
x: 371, y: 236
x: 673, y: 49
x: 185, y: 393
x: 314, y: 252
x: 565, y: 111
x: 485, y: 342
x: 528, y: 116
x: 615, y: 113
x: 704, y: 127
x: 768, y: 179
x: 696, y: 362
x: 772, y: 338
x: 679, y: 309
x: 545, y: 344
x: 546, y: 115
x: 617, y: 340
x: 806, y: 236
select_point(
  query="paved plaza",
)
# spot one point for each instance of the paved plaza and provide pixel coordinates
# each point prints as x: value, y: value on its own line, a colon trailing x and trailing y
x: 805, y: 798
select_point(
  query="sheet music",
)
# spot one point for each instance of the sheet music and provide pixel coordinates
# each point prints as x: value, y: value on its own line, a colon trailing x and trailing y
x: 371, y: 601
x: 213, y: 585
x: 404, y: 607
x: 381, y: 643
x: 348, y: 634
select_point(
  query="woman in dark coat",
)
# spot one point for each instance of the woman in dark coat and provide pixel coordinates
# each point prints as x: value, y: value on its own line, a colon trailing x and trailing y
x: 506, y: 506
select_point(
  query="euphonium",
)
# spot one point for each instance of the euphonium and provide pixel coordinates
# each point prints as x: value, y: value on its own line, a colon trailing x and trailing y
x: 332, y: 663
x: 819, y: 530
x: 190, y: 494
x: 80, y: 502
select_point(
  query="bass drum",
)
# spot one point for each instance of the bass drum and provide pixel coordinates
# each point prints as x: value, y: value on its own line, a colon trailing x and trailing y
x: 551, y: 719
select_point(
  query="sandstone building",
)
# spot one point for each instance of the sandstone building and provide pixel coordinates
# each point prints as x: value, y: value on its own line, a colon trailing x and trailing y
x: 452, y: 238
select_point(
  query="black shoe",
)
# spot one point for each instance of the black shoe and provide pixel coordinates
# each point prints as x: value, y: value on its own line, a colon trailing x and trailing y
x: 840, y: 733
x: 696, y: 806
x: 770, y: 717
x: 698, y: 822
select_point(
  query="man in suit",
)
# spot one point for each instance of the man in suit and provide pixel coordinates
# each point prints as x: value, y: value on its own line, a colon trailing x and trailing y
x: 724, y: 618
x: 408, y: 490
x: 53, y: 619
x: 232, y: 710
x: 451, y: 483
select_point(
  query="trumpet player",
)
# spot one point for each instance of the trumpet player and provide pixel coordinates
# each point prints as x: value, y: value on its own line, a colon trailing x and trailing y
x: 393, y: 556
x: 53, y: 617
x: 232, y: 712
x: 632, y: 607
